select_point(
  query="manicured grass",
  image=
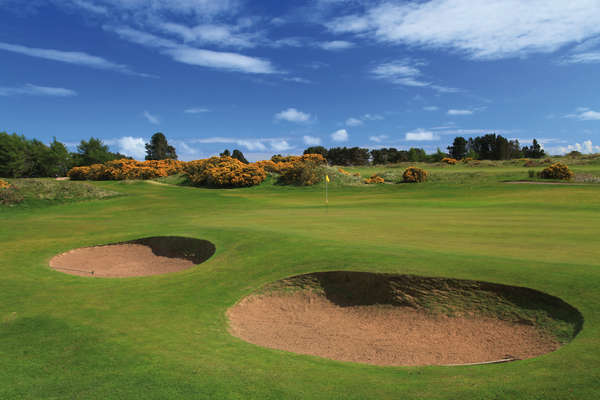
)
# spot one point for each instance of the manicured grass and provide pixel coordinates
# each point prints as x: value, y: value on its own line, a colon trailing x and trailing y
x: 166, y: 336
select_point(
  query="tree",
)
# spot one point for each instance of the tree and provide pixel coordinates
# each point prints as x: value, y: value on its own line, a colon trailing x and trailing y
x: 13, y: 158
x: 535, y: 151
x: 93, y: 152
x: 226, y: 153
x: 238, y: 155
x: 159, y: 149
x: 316, y: 150
x: 416, y: 154
x: 458, y: 150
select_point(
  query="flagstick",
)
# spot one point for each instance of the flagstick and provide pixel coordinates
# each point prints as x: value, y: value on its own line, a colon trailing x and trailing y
x: 326, y: 197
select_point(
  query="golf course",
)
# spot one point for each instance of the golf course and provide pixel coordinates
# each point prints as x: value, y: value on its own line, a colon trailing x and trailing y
x: 169, y: 335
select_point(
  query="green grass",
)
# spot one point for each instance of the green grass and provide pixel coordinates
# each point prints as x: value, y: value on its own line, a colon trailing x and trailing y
x: 166, y: 336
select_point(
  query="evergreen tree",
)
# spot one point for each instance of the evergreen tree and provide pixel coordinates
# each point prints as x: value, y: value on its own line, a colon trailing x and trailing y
x: 458, y: 150
x: 159, y: 148
x: 238, y: 155
x: 226, y: 153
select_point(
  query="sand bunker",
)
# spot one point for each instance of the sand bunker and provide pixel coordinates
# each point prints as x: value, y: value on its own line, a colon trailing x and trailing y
x: 382, y: 320
x: 140, y: 257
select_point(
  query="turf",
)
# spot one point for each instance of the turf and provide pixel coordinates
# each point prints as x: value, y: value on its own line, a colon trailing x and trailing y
x: 166, y: 336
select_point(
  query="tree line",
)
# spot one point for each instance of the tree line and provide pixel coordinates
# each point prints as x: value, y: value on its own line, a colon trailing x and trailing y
x: 24, y: 158
x: 486, y: 147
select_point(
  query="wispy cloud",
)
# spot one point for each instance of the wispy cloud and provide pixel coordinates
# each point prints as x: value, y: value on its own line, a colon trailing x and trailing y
x: 195, y: 56
x: 584, y: 114
x: 421, y: 135
x: 35, y: 90
x: 132, y: 146
x: 340, y: 135
x: 406, y: 72
x: 196, y: 110
x: 70, y: 57
x: 336, y: 45
x: 292, y: 115
x: 454, y: 111
x: 378, y: 138
x: 354, y: 122
x: 479, y: 29
x: 275, y: 144
x: 431, y: 108
x: 311, y: 140
x: 153, y: 119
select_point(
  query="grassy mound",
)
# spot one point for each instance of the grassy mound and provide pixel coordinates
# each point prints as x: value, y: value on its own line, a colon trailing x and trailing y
x: 43, y: 191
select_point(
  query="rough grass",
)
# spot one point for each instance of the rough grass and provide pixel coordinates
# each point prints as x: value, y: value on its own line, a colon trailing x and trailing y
x: 166, y: 337
x: 36, y: 192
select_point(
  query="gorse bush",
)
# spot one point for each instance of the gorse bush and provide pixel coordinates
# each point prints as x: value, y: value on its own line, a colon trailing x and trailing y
x: 414, y: 175
x: 4, y: 184
x: 557, y: 170
x: 374, y: 179
x: 127, y: 169
x: 448, y: 160
x: 223, y: 172
x: 307, y: 169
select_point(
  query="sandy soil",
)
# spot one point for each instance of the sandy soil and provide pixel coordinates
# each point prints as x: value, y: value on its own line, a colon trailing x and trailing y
x: 119, y: 260
x: 307, y: 323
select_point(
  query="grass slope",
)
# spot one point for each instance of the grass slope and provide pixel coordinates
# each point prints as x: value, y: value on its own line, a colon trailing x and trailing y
x: 166, y: 336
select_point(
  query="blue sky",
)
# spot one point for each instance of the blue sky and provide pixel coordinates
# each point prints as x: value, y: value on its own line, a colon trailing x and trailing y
x: 275, y: 77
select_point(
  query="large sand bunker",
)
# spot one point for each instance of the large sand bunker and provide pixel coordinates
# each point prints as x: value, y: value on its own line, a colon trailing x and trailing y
x: 403, y: 320
x: 140, y: 257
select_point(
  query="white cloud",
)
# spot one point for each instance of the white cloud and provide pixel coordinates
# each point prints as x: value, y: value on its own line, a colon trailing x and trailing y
x: 311, y: 140
x: 340, y: 135
x: 296, y: 79
x: 378, y: 138
x: 220, y: 60
x: 372, y: 117
x: 132, y: 146
x: 582, y: 58
x: 280, y: 145
x: 406, y: 72
x: 585, y: 147
x: 214, y: 34
x: 194, y: 56
x: 336, y: 45
x: 454, y: 111
x: 421, y: 135
x: 431, y: 108
x: 150, y: 9
x: 489, y: 29
x: 292, y: 115
x: 196, y: 110
x: 153, y: 119
x: 69, y: 57
x: 585, y: 114
x: 90, y: 7
x: 35, y: 90
x: 353, y: 122
x: 277, y: 144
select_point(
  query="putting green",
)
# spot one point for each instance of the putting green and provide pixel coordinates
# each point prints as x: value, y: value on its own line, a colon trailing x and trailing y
x: 166, y: 336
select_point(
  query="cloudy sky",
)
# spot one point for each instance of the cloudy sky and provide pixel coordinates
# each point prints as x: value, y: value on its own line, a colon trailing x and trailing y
x: 275, y: 77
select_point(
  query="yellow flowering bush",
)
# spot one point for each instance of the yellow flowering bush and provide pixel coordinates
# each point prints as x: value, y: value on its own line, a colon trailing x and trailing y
x: 449, y: 160
x: 414, y: 175
x: 302, y: 170
x: 4, y: 184
x: 224, y: 172
x: 557, y: 170
x: 127, y: 169
x: 374, y: 179
x: 343, y: 171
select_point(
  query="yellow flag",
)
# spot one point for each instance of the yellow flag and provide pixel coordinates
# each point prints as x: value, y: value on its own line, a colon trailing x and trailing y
x: 327, y: 178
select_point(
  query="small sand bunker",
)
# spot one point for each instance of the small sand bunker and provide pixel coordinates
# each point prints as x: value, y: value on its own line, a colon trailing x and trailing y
x: 395, y: 320
x: 140, y: 257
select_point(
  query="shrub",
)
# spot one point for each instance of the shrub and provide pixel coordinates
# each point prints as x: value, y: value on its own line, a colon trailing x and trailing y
x: 414, y: 175
x: 448, y: 160
x: 374, y: 179
x: 4, y: 184
x: 127, y: 169
x: 269, y: 166
x: 531, y: 173
x: 224, y: 172
x: 343, y: 171
x: 557, y: 170
x: 302, y: 170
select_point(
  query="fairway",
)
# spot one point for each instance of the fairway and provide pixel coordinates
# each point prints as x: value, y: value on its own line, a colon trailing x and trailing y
x: 167, y: 336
